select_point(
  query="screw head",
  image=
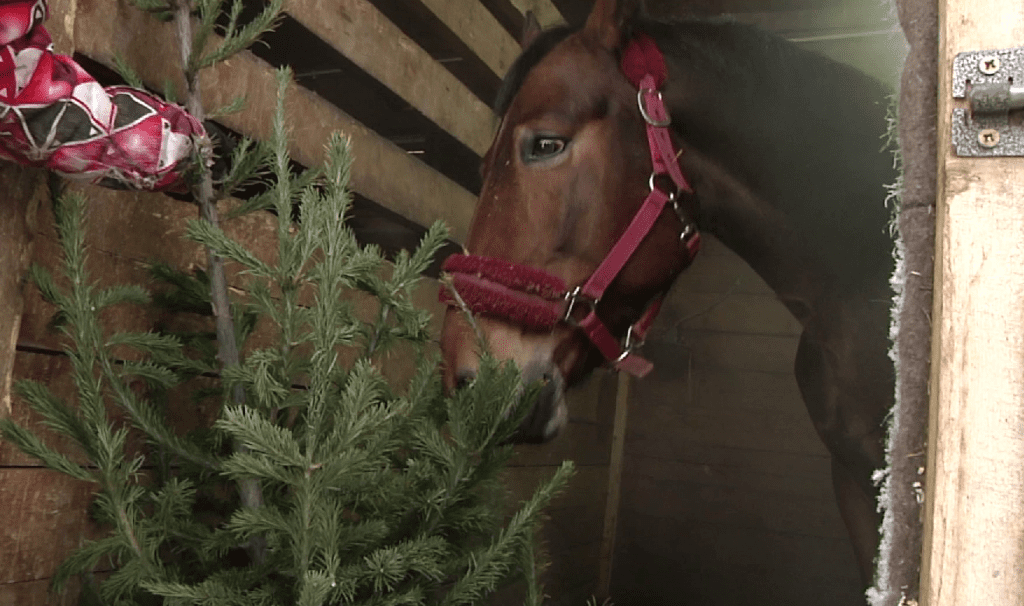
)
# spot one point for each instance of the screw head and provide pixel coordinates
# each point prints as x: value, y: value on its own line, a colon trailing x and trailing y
x: 988, y: 137
x: 989, y: 65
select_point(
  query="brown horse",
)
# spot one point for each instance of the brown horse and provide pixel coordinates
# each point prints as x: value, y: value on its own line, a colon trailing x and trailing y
x: 782, y: 153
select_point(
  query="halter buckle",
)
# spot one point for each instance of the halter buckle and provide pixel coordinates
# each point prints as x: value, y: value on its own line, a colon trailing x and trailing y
x: 576, y: 296
x: 641, y: 102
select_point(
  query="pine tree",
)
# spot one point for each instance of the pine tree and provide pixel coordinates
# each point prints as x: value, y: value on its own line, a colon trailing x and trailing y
x: 369, y: 492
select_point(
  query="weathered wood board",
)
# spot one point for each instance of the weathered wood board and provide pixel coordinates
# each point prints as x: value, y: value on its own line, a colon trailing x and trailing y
x: 974, y: 524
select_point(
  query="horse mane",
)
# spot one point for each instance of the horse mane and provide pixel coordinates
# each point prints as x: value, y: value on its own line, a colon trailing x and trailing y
x: 804, y: 131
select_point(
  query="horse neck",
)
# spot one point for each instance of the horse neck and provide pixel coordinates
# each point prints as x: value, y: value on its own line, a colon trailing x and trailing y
x: 784, y: 149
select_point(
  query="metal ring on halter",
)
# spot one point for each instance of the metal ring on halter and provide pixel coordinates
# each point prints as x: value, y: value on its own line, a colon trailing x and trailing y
x: 572, y: 297
x: 671, y: 196
x: 628, y: 346
x: 643, y: 108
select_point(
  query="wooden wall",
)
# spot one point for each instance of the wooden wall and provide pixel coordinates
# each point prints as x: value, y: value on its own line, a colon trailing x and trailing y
x: 411, y: 83
x: 726, y: 491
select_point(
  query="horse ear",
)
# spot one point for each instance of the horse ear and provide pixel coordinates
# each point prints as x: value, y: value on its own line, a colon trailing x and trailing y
x: 531, y: 29
x: 608, y: 18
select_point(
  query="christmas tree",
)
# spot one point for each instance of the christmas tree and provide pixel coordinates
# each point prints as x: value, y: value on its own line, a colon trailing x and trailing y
x: 321, y: 481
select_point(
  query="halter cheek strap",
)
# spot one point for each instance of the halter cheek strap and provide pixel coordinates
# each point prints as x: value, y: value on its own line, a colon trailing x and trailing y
x: 537, y: 300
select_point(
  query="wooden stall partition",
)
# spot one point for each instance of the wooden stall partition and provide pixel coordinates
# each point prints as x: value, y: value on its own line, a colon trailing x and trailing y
x: 726, y: 489
x: 974, y: 525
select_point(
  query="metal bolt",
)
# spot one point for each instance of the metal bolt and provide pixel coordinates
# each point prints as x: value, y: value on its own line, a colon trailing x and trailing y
x: 989, y: 65
x: 988, y: 137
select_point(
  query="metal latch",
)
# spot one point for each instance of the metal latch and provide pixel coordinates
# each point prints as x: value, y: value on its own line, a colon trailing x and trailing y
x: 993, y: 83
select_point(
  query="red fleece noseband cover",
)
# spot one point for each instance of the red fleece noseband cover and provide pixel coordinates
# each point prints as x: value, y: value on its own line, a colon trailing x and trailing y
x: 529, y: 297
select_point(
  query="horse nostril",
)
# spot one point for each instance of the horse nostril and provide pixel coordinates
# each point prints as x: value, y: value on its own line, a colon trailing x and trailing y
x: 464, y: 378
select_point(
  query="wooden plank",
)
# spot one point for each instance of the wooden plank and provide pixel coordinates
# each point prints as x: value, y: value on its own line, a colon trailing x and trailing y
x: 721, y: 458
x: 974, y: 523
x: 663, y: 432
x: 715, y: 565
x: 737, y: 469
x: 735, y: 551
x: 381, y: 170
x: 737, y: 351
x: 727, y: 312
x: 713, y: 388
x: 479, y: 30
x: 723, y: 273
x: 46, y: 519
x: 356, y: 29
x: 766, y: 511
x: 37, y: 593
x: 569, y: 527
x: 17, y: 225
x: 615, y: 470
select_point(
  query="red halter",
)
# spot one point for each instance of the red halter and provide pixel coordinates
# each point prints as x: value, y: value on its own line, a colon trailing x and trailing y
x: 537, y: 300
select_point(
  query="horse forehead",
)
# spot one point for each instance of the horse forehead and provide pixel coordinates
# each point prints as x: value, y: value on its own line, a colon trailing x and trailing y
x: 570, y: 78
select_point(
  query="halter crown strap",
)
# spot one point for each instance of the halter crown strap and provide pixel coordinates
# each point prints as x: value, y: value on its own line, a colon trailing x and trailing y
x: 643, y: 65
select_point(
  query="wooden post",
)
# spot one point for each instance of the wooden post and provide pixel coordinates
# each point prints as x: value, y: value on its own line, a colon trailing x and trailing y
x: 974, y: 524
x: 611, y: 512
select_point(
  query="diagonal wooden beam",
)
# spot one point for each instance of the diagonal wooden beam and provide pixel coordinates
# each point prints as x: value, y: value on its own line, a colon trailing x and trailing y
x: 356, y: 29
x: 479, y: 30
x: 547, y: 13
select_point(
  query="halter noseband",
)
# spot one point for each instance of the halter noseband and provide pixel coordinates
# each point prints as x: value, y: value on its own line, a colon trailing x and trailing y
x: 537, y: 300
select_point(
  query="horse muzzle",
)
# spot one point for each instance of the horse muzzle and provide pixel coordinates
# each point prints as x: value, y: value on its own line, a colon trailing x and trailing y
x: 532, y: 352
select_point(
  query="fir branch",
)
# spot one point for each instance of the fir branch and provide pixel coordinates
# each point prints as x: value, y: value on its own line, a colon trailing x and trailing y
x: 487, y: 568
x: 122, y: 293
x: 314, y: 588
x: 247, y: 164
x: 155, y: 375
x: 84, y: 560
x: 165, y: 349
x: 30, y: 444
x: 160, y: 7
x: 48, y: 288
x: 214, y: 238
x: 127, y: 72
x: 56, y: 414
x: 206, y: 593
x: 407, y: 268
x: 243, y: 465
x: 208, y: 11
x: 261, y: 437
x: 235, y: 38
x: 152, y: 424
x: 245, y: 523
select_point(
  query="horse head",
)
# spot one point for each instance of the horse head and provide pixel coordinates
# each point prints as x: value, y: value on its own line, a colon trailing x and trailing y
x: 563, y: 180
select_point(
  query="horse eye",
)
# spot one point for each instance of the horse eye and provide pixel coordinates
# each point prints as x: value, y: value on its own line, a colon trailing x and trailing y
x: 545, y: 147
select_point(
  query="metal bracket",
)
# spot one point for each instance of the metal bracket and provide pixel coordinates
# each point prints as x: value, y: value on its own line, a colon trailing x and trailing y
x: 993, y: 83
